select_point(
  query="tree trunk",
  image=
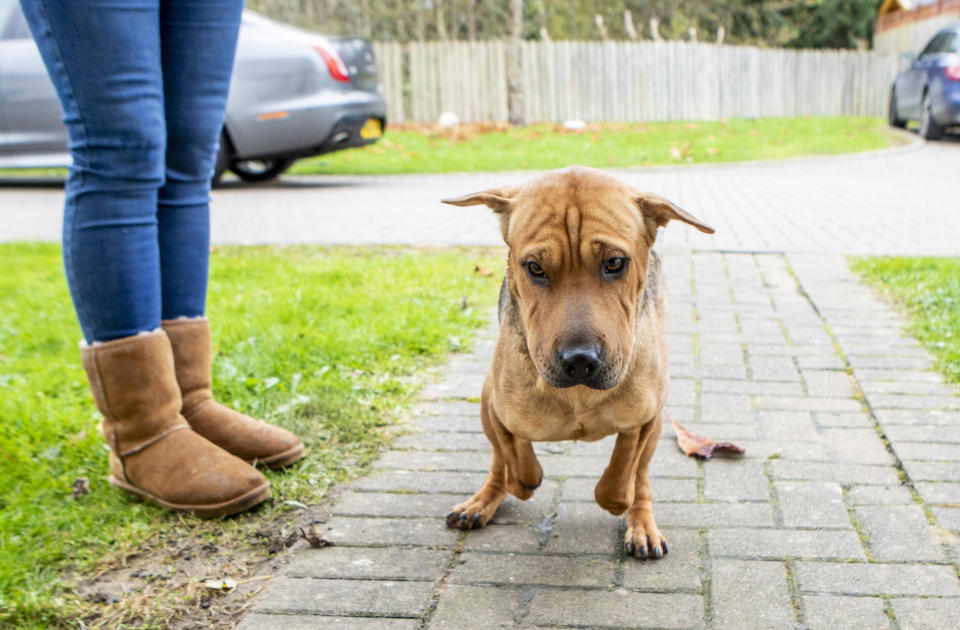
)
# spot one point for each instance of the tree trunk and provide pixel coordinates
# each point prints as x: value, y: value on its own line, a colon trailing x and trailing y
x: 472, y: 20
x: 515, y: 65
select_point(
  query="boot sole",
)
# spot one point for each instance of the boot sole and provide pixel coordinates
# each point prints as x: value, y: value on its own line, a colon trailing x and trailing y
x: 281, y: 460
x: 215, y: 510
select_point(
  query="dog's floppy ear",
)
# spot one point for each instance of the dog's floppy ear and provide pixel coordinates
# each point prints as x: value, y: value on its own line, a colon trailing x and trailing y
x: 662, y: 211
x: 499, y: 200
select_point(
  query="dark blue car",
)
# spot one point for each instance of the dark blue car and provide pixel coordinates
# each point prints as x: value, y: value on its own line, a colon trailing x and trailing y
x: 930, y: 90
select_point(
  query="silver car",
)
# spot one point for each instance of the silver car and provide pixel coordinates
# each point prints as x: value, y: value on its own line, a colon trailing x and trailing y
x: 294, y: 94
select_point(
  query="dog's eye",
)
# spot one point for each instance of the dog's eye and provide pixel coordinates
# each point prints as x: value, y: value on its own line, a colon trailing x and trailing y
x: 536, y: 272
x: 614, y: 267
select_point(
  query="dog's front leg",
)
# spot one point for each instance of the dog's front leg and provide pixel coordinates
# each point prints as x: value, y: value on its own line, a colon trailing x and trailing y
x: 614, y: 491
x: 514, y: 469
x: 643, y: 538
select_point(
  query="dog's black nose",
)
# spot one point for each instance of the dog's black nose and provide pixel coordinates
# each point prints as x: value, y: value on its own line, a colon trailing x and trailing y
x: 580, y: 362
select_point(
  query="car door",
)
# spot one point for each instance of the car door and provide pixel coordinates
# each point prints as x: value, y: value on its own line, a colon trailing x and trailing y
x: 910, y: 89
x: 31, y: 127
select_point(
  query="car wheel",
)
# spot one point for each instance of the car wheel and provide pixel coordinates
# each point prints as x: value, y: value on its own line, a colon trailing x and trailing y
x: 260, y: 170
x: 224, y: 155
x: 929, y: 128
x: 895, y: 120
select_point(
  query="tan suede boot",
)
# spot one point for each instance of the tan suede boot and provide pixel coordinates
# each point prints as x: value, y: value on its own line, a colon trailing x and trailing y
x: 252, y: 440
x: 153, y: 452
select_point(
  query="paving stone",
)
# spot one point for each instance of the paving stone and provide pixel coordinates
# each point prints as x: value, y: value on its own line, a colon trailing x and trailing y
x: 926, y: 451
x: 857, y: 419
x: 421, y: 441
x: 679, y: 570
x: 812, y: 504
x: 923, y: 417
x: 713, y: 514
x: 448, y: 408
x: 812, y: 404
x: 879, y: 495
x: 462, y: 607
x: 789, y: 426
x: 829, y: 383
x: 785, y: 543
x: 555, y: 466
x: 584, y: 528
x: 877, y: 579
x: 732, y: 480
x: 751, y: 592
x: 947, y: 517
x: 402, y: 480
x: 834, y: 612
x: 446, y: 424
x: 390, y: 531
x: 345, y: 597
x: 259, y: 621
x: 406, y: 505
x: 764, y: 388
x: 605, y: 609
x: 902, y: 386
x: 932, y: 471
x: 926, y: 614
x: 538, y: 569
x: 939, y: 491
x: 858, y: 446
x: 886, y: 401
x: 899, y: 533
x: 459, y: 461
x: 910, y: 376
x: 923, y: 434
x: 774, y: 369
x: 368, y: 563
x: 514, y: 538
x: 842, y: 473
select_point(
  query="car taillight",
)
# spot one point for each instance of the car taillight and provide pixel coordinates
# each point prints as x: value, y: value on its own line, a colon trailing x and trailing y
x: 953, y: 73
x: 335, y: 64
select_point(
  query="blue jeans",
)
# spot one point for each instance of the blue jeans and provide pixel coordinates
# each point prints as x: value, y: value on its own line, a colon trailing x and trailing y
x: 143, y: 85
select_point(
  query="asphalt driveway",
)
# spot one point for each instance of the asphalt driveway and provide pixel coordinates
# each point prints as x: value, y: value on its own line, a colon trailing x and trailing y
x: 898, y: 201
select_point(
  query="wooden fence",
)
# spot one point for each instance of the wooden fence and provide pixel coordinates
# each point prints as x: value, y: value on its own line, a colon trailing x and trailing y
x: 631, y: 81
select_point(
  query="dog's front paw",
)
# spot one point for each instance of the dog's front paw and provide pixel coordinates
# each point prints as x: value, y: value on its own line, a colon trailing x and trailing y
x: 643, y: 539
x: 476, y: 512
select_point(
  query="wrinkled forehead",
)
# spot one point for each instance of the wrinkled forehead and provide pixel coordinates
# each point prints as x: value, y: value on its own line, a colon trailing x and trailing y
x: 576, y: 212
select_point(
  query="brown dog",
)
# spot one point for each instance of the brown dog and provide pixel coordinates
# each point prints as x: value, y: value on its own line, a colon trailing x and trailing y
x: 581, y: 352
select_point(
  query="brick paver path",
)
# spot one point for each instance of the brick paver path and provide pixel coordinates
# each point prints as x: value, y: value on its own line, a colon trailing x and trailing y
x: 844, y: 513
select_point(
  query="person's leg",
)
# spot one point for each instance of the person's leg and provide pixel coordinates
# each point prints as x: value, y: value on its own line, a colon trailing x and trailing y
x: 104, y: 59
x: 198, y: 40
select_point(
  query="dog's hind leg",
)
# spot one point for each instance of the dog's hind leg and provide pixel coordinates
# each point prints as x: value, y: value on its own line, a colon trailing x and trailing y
x: 643, y: 538
x: 614, y: 491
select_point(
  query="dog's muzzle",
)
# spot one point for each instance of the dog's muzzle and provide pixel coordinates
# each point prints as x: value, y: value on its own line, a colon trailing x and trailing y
x: 581, y: 364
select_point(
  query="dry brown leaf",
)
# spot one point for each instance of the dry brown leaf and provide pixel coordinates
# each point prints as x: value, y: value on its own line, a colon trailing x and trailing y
x: 699, y: 446
x: 312, y: 534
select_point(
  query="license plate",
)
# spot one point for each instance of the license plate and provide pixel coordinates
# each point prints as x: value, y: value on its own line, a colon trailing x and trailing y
x: 371, y: 129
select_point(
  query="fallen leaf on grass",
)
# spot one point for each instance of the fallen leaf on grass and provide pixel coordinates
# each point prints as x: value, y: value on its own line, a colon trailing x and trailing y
x: 224, y: 585
x: 699, y: 446
x: 81, y: 487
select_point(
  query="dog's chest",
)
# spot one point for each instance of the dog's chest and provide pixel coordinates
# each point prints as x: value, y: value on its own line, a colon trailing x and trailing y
x: 540, y: 420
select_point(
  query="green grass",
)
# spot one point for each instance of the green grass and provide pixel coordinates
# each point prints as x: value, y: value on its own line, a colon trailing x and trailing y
x: 929, y: 290
x: 487, y: 147
x: 330, y: 343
